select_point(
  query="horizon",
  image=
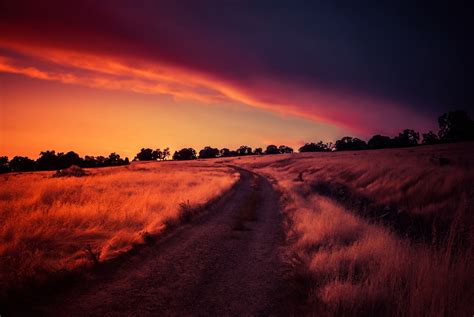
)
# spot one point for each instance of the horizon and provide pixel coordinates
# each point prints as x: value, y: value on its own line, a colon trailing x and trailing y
x: 296, y: 148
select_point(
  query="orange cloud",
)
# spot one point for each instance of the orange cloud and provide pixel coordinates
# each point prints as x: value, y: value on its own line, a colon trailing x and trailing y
x: 155, y: 77
x: 107, y: 73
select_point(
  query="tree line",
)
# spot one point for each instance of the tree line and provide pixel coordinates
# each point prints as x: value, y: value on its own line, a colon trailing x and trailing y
x: 454, y: 126
x: 209, y: 152
x: 50, y: 161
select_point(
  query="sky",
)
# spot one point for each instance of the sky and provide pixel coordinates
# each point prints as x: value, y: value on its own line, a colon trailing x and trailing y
x: 115, y: 76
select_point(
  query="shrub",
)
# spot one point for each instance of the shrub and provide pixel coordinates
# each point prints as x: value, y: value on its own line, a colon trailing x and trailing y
x: 72, y: 171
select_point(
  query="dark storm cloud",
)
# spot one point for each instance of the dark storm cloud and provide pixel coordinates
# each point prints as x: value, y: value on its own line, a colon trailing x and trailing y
x: 413, y: 54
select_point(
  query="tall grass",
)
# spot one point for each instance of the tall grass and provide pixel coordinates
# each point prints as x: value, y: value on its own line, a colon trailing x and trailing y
x: 50, y: 224
x: 412, y: 179
x: 356, y: 266
x: 362, y: 269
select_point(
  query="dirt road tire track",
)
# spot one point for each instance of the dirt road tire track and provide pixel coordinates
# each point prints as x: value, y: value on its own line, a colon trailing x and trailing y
x: 205, y: 268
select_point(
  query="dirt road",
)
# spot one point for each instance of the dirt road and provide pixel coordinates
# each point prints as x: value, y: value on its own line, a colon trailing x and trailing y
x: 205, y: 268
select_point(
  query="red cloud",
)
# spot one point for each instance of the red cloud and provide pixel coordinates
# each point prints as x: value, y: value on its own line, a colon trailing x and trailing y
x: 93, y: 49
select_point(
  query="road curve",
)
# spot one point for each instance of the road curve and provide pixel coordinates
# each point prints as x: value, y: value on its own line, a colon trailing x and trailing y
x: 205, y: 268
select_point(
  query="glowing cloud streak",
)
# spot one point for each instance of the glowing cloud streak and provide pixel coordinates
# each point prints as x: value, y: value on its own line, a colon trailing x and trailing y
x: 154, y: 77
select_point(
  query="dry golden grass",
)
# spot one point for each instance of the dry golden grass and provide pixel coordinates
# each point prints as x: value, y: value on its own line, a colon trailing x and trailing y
x: 50, y: 224
x: 361, y: 269
x: 432, y: 180
x: 357, y: 266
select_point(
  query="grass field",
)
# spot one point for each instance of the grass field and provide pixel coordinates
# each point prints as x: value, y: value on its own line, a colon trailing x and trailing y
x: 51, y: 224
x: 351, y: 253
x: 369, y: 233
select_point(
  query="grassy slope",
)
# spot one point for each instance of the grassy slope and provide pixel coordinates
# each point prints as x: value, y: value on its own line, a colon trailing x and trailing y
x: 351, y: 262
x: 52, y: 224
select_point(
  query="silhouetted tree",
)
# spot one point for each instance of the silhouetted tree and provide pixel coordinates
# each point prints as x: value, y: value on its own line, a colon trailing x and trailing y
x: 314, y: 147
x: 21, y: 164
x: 156, y: 154
x: 272, y: 149
x: 89, y: 161
x: 47, y: 161
x: 146, y: 154
x: 258, y: 151
x: 209, y: 152
x: 406, y: 138
x: 430, y: 138
x: 285, y: 149
x: 165, y: 154
x: 115, y: 160
x: 4, y: 168
x: 225, y: 152
x: 185, y: 154
x: 380, y: 142
x: 68, y: 159
x: 456, y: 126
x: 101, y: 161
x: 350, y: 144
x: 244, y: 150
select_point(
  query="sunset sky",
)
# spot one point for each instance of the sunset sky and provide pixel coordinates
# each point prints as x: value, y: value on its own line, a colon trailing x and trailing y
x: 103, y: 76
